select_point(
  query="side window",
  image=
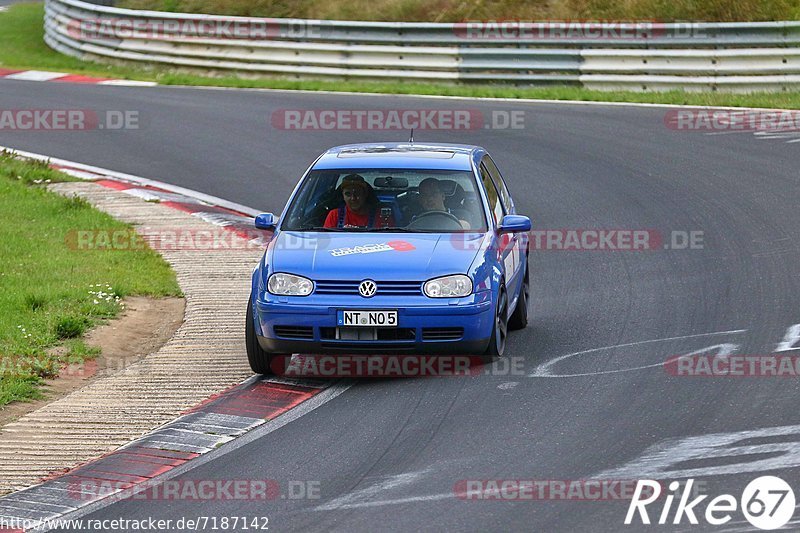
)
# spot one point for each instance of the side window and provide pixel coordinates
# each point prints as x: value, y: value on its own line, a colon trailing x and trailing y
x: 495, y: 204
x: 498, y: 181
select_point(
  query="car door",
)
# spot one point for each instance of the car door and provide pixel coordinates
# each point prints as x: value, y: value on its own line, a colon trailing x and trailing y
x: 510, y: 245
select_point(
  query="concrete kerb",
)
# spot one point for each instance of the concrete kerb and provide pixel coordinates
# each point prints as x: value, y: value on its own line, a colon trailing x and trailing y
x: 113, y: 411
x: 114, y: 401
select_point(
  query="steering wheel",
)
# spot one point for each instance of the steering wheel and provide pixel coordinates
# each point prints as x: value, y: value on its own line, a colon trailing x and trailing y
x: 309, y: 220
x: 415, y: 224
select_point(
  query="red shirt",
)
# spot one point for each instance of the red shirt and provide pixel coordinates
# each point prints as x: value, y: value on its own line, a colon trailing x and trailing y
x: 354, y: 219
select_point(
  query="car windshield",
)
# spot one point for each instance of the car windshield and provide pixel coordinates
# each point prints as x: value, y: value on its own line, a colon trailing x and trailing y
x: 418, y: 201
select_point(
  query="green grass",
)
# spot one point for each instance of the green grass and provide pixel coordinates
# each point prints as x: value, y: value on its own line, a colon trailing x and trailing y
x: 50, y: 292
x: 459, y: 10
x: 19, y: 389
x: 21, y: 46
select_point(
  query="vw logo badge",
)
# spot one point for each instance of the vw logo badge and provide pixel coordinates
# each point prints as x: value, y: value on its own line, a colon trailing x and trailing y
x: 367, y: 288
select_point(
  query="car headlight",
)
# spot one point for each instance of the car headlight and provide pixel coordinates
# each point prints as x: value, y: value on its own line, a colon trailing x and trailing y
x: 454, y: 286
x: 282, y: 284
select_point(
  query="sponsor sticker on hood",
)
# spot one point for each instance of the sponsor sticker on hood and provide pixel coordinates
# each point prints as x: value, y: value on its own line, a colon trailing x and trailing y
x: 391, y: 246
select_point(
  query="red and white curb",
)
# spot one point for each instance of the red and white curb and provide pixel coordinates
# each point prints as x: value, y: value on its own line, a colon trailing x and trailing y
x: 230, y: 215
x: 241, y: 414
x: 229, y: 219
x: 64, y: 77
x: 165, y: 452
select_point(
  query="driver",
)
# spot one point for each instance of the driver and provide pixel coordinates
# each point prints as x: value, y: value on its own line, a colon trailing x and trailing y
x: 360, y: 208
x: 431, y: 198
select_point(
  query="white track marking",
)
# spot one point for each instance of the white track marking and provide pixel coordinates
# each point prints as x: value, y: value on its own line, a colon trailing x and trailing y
x: 723, y: 350
x: 769, y: 137
x: 544, y: 101
x: 359, y: 497
x: 763, y: 135
x: 791, y: 341
x: 479, y: 99
x: 398, y: 501
x: 36, y: 75
x: 661, y: 460
x: 724, y: 132
x: 128, y: 83
x: 137, y: 83
x: 543, y: 371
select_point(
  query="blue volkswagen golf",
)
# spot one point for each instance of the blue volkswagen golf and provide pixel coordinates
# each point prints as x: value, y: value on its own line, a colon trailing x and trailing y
x: 391, y: 249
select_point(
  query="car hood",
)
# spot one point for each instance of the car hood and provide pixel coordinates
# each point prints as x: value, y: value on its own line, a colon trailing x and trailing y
x: 388, y: 256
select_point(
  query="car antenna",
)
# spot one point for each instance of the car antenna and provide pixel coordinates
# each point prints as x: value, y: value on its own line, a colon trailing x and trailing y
x: 411, y: 137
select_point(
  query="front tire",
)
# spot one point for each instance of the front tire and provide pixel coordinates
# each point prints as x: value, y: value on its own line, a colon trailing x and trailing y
x: 497, y: 342
x: 260, y: 360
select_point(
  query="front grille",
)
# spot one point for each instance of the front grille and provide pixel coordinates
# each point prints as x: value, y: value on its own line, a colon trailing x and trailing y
x: 295, y: 332
x: 368, y: 347
x: 382, y: 334
x: 385, y: 288
x: 442, y: 334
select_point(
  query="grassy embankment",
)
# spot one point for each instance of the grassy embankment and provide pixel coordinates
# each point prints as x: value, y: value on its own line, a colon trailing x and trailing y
x: 51, y: 293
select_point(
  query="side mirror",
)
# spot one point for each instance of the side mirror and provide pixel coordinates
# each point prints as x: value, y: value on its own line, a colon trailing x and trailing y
x: 266, y: 221
x: 514, y: 224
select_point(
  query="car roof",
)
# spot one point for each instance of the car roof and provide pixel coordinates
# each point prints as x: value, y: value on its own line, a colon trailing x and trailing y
x: 430, y: 156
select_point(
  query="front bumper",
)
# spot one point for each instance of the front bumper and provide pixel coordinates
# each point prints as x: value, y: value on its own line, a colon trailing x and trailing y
x: 424, y: 326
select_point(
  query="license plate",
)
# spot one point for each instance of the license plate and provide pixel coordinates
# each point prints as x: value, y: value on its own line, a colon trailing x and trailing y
x: 367, y: 318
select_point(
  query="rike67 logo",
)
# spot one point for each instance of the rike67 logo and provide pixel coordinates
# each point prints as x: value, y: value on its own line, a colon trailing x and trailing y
x: 767, y: 502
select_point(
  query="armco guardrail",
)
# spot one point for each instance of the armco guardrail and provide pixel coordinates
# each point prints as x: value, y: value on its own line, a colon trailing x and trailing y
x: 633, y: 56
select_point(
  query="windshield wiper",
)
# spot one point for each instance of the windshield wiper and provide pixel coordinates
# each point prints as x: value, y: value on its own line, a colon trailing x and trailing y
x: 317, y: 228
x: 404, y: 230
x: 394, y: 229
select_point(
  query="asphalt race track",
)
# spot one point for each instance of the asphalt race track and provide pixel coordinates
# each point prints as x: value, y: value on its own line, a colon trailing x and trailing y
x: 9, y: 2
x: 388, y: 454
